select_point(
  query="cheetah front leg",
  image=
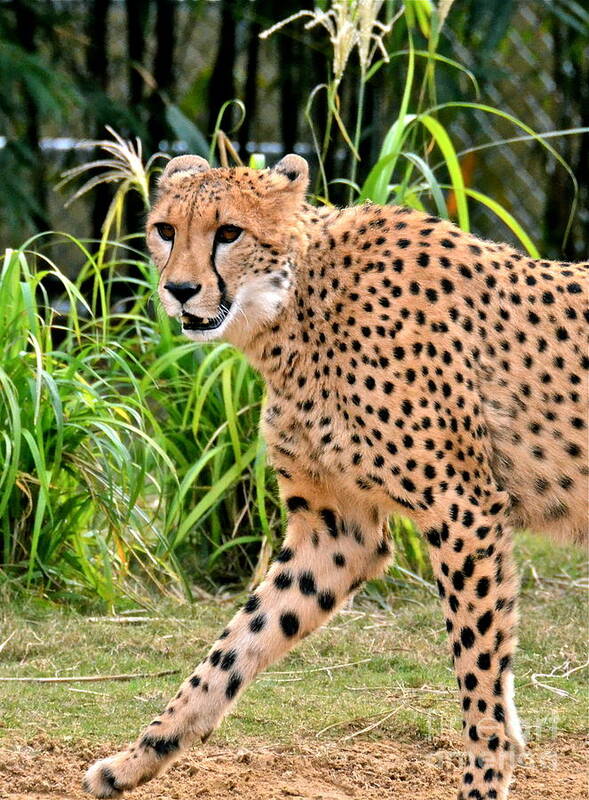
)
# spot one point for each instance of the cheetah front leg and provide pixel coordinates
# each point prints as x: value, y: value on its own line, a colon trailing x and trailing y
x: 471, y: 553
x: 331, y: 546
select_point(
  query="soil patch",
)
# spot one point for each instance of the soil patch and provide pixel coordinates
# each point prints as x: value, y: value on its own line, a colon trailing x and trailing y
x: 375, y: 770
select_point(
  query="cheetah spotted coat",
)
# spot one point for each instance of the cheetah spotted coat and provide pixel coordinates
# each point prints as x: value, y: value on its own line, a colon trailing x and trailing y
x: 411, y: 369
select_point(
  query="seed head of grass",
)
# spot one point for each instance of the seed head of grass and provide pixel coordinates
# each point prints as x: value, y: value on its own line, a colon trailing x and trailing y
x: 125, y: 167
x: 444, y: 7
x: 371, y: 32
x: 349, y: 24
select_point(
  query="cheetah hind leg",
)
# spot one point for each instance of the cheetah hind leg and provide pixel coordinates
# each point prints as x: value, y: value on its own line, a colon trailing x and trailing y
x: 471, y: 553
x: 327, y: 554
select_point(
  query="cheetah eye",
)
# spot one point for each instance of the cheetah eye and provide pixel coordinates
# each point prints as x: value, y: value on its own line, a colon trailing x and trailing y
x: 227, y: 234
x: 165, y: 231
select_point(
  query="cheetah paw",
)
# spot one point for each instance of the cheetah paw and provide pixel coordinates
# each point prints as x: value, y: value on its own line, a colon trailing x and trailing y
x: 128, y: 769
x: 100, y: 780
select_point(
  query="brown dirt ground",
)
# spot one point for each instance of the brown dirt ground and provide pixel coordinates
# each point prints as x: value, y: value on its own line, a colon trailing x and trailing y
x: 554, y: 770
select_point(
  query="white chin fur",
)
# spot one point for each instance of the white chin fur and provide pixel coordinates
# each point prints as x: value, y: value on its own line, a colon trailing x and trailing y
x: 216, y: 333
x: 249, y: 311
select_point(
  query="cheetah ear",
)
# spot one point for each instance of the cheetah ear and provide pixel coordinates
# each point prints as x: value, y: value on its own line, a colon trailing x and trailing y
x: 188, y: 165
x: 296, y: 170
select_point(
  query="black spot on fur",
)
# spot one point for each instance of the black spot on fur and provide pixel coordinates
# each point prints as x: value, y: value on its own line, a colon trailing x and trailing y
x: 307, y: 583
x: 108, y: 777
x: 484, y: 622
x: 326, y: 600
x: 228, y: 660
x: 162, y: 746
x: 283, y: 580
x: 257, y: 623
x: 467, y: 637
x: 297, y: 504
x: 284, y: 555
x: 233, y: 685
x: 329, y: 518
x: 252, y: 604
x: 289, y: 622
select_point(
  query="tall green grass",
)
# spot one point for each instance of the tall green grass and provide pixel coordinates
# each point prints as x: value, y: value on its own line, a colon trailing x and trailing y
x: 76, y: 461
x: 129, y: 457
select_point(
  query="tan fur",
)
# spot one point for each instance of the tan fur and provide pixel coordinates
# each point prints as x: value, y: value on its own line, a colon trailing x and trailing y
x: 411, y: 368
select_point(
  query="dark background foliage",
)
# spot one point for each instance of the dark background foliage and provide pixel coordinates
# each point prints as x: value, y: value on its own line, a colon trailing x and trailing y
x: 162, y: 69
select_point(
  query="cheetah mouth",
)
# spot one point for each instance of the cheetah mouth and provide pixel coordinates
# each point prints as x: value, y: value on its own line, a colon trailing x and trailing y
x: 190, y: 322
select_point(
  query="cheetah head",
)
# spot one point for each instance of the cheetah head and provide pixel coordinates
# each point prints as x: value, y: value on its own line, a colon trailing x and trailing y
x: 226, y: 242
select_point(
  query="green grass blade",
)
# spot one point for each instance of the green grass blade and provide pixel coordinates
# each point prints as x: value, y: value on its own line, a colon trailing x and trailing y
x: 230, y: 543
x: 446, y: 147
x: 261, y: 487
x: 188, y: 481
x: 508, y: 219
x: 432, y: 183
x: 12, y: 420
x: 376, y: 186
x: 537, y: 137
x: 41, y: 499
x: 443, y: 60
x: 230, y: 414
x: 214, y: 494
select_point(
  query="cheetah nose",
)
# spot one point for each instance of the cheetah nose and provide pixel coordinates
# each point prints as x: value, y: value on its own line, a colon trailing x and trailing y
x: 183, y: 291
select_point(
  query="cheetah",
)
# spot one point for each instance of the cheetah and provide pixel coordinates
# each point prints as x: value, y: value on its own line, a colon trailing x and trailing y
x: 412, y: 369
